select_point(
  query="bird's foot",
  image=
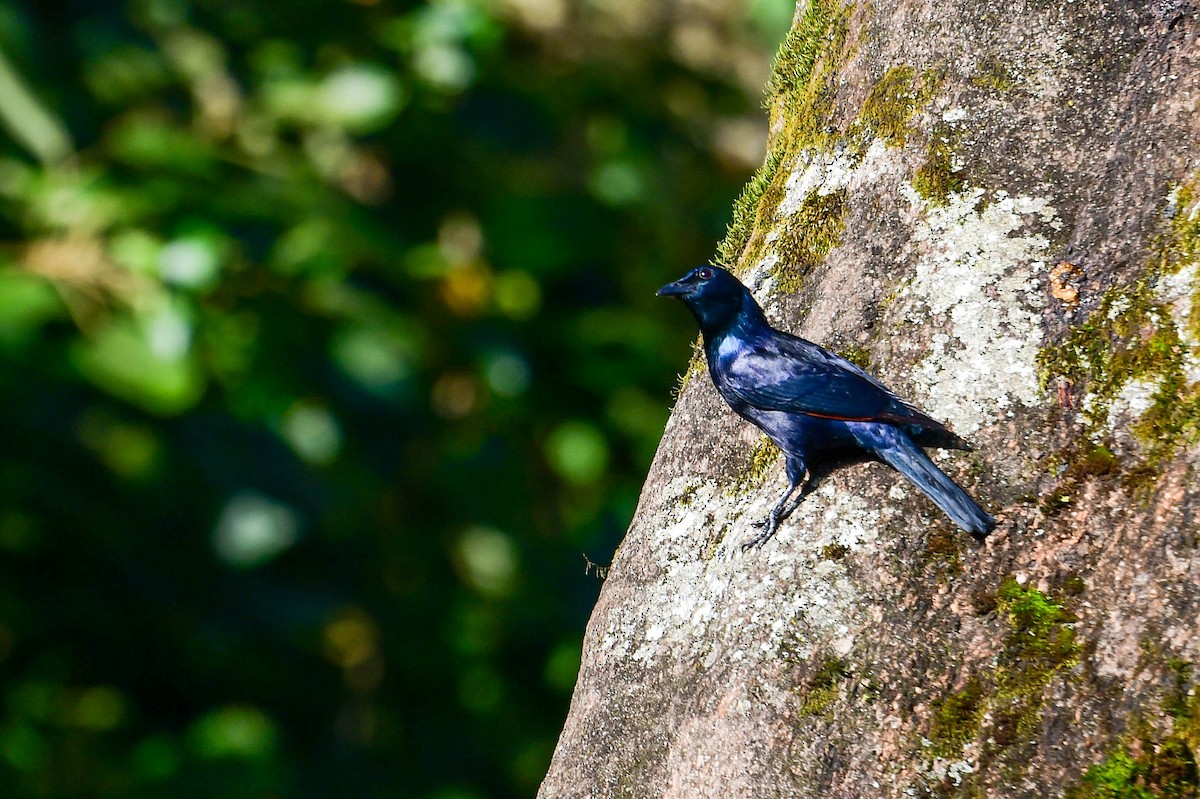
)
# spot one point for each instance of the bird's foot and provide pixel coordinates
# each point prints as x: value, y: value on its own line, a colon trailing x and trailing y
x: 768, y: 526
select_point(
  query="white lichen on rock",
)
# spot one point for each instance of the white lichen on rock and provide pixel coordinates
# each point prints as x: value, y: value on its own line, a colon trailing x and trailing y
x: 978, y: 270
x: 1134, y: 399
x: 717, y: 607
x: 824, y: 173
x: 943, y: 770
x: 1110, y: 421
x: 1178, y: 291
x: 761, y: 279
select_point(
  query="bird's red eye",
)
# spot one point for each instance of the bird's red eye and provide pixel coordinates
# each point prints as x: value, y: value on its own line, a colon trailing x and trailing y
x: 706, y: 274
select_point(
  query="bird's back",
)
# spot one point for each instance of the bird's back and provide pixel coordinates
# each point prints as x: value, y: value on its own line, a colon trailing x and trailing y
x: 770, y: 370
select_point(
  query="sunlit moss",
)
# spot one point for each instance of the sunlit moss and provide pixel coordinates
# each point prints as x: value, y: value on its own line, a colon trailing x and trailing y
x: 696, y: 366
x: 799, y: 94
x: 805, y: 52
x: 1132, y: 339
x: 1145, y: 766
x: 802, y: 86
x: 993, y: 74
x: 956, y: 719
x: 1004, y: 706
x: 1180, y: 245
x: 807, y: 236
x: 1038, y: 645
x: 1130, y: 336
x: 762, y: 458
x: 745, y: 212
x: 1113, y: 778
x: 893, y: 101
x: 856, y: 355
x: 1038, y: 642
x: 936, y: 178
x: 824, y: 688
x: 834, y: 552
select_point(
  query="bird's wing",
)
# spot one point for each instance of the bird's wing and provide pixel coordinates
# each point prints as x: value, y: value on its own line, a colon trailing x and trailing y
x: 785, y: 373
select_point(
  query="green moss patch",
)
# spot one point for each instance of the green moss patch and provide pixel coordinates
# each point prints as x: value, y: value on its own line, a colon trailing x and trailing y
x: 807, y: 236
x: 993, y: 74
x: 696, y: 365
x: 1148, y: 767
x: 745, y: 212
x: 1113, y: 778
x: 1131, y: 340
x: 762, y: 458
x: 894, y: 100
x: 936, y: 178
x: 1129, y: 337
x: 1180, y: 246
x: 857, y: 356
x: 800, y: 92
x: 824, y: 688
x: 801, y: 87
x: 834, y: 552
x: 1038, y: 645
x: 801, y: 96
x: 956, y: 719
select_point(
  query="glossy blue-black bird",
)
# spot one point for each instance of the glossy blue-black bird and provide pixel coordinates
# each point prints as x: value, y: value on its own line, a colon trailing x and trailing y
x: 819, y: 408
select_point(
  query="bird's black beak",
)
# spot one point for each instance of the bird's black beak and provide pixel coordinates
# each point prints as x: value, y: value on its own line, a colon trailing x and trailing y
x: 672, y: 289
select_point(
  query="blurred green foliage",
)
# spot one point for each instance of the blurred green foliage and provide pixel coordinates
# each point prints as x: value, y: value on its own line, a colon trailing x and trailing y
x: 327, y: 350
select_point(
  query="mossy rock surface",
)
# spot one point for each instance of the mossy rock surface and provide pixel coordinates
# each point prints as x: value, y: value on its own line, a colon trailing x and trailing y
x: 995, y: 211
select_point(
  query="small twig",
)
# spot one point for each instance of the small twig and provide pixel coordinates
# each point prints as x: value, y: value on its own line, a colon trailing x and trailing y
x: 588, y: 565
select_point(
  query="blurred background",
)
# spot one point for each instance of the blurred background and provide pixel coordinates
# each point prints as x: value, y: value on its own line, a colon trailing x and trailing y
x: 329, y: 358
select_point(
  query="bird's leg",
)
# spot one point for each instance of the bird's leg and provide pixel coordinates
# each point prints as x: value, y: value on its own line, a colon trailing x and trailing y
x: 805, y: 489
x: 770, y: 524
x: 797, y: 479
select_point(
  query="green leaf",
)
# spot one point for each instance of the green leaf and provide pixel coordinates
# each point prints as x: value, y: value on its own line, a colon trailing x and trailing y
x: 141, y: 367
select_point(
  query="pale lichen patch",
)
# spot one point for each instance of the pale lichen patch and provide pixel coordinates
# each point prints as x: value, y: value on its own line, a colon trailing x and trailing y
x: 978, y: 271
x: 825, y: 173
x: 1131, y: 402
x: 1136, y: 357
x: 712, y: 608
x: 1178, y: 292
x: 945, y: 770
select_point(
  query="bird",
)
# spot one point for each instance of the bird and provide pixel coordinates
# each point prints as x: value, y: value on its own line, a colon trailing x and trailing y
x: 820, y: 409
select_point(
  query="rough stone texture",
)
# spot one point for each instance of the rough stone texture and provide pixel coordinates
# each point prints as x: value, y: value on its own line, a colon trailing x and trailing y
x: 871, y: 649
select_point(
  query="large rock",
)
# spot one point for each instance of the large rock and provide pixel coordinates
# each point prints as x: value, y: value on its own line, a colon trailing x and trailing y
x: 997, y: 210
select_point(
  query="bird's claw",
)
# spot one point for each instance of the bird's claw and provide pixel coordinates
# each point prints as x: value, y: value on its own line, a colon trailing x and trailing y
x: 768, y: 531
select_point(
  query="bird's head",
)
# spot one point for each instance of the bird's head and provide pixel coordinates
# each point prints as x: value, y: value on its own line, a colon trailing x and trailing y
x: 715, y: 296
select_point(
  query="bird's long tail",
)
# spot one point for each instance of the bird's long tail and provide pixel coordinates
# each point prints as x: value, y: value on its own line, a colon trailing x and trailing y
x: 912, y: 462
